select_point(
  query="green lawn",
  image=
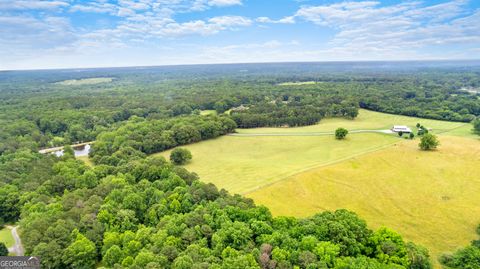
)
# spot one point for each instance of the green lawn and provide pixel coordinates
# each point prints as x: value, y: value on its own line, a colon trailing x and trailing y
x: 85, y: 81
x: 86, y: 160
x: 208, y: 112
x: 243, y: 164
x: 6, y: 237
x: 463, y: 131
x: 431, y: 198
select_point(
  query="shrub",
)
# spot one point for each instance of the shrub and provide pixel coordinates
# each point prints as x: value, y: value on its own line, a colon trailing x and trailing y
x: 341, y: 133
x: 428, y: 142
x: 180, y: 156
x: 3, y: 249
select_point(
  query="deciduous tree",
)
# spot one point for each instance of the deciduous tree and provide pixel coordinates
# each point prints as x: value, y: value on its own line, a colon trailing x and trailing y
x: 428, y: 142
x: 180, y: 156
x: 341, y: 133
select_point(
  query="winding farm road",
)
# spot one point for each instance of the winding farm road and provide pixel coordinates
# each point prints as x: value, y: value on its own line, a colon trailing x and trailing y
x: 17, y: 248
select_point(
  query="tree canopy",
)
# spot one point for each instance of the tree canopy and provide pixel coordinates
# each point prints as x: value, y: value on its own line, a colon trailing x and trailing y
x: 341, y: 133
x: 3, y: 249
x: 180, y: 156
x: 428, y: 142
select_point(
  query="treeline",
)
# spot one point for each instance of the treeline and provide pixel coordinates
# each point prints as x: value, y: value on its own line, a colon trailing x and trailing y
x: 465, y: 258
x: 138, y: 137
x: 294, y: 112
x: 35, y: 112
x: 430, y: 104
x: 147, y: 213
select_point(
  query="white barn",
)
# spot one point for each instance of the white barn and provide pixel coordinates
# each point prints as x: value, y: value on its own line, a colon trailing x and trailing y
x: 401, y: 128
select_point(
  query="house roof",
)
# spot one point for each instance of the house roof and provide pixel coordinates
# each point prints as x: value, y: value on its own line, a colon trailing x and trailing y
x: 401, y: 128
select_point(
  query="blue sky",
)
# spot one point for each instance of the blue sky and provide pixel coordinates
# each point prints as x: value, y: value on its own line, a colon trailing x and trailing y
x: 37, y: 34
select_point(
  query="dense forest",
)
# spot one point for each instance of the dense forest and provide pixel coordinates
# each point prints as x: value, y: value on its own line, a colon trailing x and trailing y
x: 147, y: 213
x: 135, y: 211
x: 37, y: 111
x: 139, y: 137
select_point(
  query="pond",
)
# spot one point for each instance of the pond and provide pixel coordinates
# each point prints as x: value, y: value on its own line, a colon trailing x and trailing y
x: 79, y: 151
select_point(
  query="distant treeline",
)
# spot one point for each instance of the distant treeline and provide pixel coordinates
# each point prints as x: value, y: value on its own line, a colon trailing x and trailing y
x: 295, y: 112
x: 138, y: 137
x: 36, y: 112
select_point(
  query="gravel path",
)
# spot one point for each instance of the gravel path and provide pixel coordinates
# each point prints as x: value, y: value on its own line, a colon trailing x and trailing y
x: 17, y: 248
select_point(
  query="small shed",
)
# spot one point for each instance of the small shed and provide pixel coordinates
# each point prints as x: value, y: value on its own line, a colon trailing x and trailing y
x: 401, y: 128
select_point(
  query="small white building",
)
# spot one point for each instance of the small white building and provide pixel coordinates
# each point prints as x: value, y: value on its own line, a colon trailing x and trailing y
x: 401, y: 128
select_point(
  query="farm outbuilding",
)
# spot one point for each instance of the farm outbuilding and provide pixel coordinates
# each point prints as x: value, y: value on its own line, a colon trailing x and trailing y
x: 401, y: 128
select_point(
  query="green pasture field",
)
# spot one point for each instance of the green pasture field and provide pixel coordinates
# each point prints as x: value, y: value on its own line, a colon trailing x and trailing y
x: 85, y: 81
x: 6, y: 237
x: 431, y: 198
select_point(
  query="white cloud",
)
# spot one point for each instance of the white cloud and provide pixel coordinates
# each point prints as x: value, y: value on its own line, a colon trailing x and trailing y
x: 285, y: 20
x: 31, y: 4
x: 95, y: 8
x: 223, y: 3
x: 124, y: 8
x: 362, y: 30
x: 369, y: 28
x: 230, y: 21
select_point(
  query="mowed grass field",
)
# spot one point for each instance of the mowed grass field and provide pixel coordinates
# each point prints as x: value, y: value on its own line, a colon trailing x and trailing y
x: 431, y: 198
x: 85, y: 81
x: 208, y: 112
x: 243, y: 164
x: 6, y: 237
x: 366, y: 120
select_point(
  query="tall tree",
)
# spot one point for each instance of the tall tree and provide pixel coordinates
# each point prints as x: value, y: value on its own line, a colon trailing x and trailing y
x: 429, y: 142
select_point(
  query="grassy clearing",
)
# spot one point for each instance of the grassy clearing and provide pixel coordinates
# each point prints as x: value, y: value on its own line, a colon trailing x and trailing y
x: 6, y: 237
x: 431, y: 198
x: 366, y: 120
x: 243, y: 164
x: 85, y: 81
x: 208, y: 112
x: 297, y: 83
x: 86, y: 160
x: 463, y: 131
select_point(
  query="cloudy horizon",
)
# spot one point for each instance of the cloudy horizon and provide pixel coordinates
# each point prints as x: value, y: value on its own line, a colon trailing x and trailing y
x: 102, y: 33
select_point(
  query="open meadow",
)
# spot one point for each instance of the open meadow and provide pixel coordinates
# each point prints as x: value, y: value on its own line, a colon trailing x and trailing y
x: 248, y: 162
x: 243, y: 164
x: 366, y: 120
x: 85, y: 81
x: 6, y: 236
x: 429, y: 197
